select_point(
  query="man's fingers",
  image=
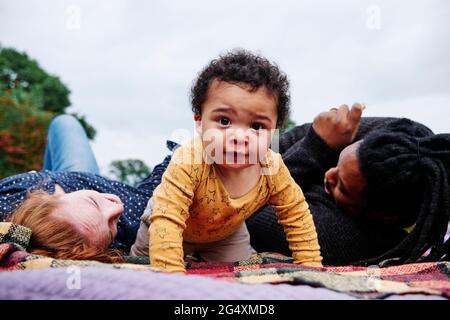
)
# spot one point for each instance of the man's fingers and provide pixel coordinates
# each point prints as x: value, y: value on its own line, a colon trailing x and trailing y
x: 343, y: 108
x: 354, y: 116
x: 342, y: 112
x: 358, y: 105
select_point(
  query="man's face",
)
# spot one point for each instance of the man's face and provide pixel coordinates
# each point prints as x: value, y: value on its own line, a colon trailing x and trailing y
x: 346, y: 183
x: 236, y: 124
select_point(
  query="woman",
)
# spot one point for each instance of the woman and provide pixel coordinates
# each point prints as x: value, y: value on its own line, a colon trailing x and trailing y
x: 73, y: 211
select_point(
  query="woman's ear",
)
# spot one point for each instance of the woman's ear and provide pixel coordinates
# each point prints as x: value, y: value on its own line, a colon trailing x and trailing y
x: 198, y: 123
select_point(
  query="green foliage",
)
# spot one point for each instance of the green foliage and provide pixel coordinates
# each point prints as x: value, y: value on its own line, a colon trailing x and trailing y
x: 26, y: 82
x: 129, y: 171
x: 17, y: 70
x: 29, y: 99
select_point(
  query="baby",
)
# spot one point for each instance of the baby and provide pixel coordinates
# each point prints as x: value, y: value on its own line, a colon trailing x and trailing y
x: 218, y: 180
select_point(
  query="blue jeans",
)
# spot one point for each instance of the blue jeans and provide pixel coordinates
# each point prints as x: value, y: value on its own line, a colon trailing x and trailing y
x: 68, y: 147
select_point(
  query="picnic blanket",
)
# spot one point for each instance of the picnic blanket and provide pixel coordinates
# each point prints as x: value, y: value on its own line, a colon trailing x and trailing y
x: 262, y: 268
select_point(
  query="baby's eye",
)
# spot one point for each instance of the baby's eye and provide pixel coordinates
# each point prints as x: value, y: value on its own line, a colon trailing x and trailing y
x: 257, y: 126
x: 224, y: 121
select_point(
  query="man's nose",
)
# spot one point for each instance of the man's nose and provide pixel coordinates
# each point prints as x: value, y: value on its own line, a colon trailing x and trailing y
x: 330, y: 176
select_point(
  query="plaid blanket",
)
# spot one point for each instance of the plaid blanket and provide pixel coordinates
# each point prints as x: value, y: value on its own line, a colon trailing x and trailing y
x: 361, y: 282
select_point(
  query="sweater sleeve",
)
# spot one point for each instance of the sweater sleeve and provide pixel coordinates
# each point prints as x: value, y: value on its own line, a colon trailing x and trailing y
x: 293, y: 213
x: 172, y: 197
x: 309, y: 157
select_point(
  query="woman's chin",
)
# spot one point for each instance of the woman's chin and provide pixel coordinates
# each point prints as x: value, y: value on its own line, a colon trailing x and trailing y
x: 114, y: 233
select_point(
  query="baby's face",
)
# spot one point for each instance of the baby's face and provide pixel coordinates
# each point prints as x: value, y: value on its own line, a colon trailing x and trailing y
x: 236, y: 124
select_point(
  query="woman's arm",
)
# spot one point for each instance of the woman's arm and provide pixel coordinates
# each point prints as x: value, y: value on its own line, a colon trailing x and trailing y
x: 154, y: 179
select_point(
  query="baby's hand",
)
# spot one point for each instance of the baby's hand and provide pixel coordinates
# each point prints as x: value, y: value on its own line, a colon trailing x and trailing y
x: 338, y: 127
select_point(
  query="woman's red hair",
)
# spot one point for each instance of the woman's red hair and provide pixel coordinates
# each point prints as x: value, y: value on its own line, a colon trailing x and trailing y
x: 54, y: 237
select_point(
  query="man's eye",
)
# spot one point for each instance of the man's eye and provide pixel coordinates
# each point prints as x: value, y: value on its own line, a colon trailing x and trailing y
x: 224, y: 121
x: 257, y: 126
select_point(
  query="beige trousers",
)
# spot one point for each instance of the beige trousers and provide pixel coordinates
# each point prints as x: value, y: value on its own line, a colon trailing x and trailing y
x: 235, y: 247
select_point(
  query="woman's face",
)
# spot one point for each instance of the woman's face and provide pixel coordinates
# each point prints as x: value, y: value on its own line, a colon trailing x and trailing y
x: 345, y: 182
x: 93, y: 214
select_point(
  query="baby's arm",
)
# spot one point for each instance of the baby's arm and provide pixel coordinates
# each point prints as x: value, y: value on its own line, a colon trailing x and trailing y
x: 293, y: 213
x: 173, y: 198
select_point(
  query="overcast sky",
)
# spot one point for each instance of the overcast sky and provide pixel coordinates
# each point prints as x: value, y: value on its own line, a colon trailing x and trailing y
x: 130, y: 64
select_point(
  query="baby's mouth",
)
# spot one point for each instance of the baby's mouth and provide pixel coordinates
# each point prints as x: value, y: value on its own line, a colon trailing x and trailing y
x: 236, y: 154
x: 235, y: 157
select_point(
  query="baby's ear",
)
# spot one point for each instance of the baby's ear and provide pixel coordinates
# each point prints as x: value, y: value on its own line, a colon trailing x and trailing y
x: 198, y: 123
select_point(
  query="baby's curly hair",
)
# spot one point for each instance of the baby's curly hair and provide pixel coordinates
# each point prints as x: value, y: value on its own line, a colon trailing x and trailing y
x: 240, y: 66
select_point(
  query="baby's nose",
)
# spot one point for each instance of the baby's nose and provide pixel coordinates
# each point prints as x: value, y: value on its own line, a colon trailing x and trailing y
x: 240, y: 137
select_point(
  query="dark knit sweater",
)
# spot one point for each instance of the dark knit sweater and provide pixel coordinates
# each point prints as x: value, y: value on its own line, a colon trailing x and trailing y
x: 343, y: 239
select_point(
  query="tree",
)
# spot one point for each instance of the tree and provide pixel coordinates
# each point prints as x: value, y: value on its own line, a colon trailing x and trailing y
x: 29, y: 99
x: 25, y: 81
x: 17, y: 70
x: 129, y: 171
